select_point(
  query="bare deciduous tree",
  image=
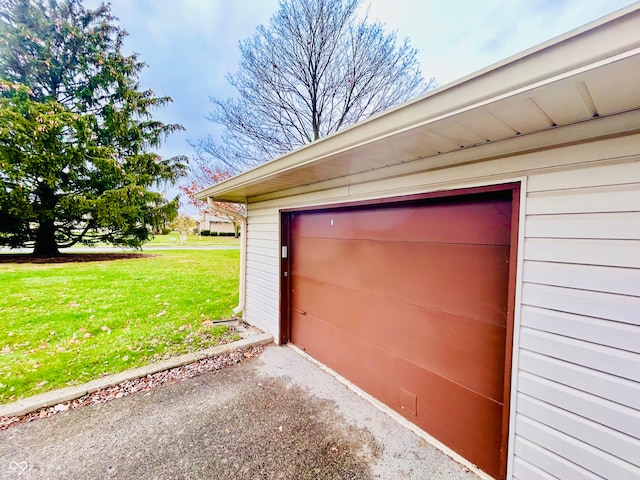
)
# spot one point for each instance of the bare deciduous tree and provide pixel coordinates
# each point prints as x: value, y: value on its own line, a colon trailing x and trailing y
x: 314, y: 69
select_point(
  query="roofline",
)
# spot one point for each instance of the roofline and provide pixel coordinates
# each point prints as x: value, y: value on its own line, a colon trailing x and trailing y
x: 568, y: 52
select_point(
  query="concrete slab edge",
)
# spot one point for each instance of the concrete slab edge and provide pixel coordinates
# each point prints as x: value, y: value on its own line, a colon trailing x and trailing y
x: 396, y: 416
x: 54, y: 397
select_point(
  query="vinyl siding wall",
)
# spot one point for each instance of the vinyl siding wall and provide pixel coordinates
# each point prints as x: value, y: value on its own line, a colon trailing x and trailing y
x: 576, y: 386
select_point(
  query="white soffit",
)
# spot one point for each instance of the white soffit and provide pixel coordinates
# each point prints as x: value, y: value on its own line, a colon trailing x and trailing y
x: 461, y: 116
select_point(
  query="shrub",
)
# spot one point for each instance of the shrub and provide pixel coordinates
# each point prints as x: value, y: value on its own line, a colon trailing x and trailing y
x: 205, y: 233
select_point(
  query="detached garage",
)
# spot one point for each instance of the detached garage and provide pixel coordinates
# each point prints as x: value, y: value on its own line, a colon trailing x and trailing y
x: 471, y: 259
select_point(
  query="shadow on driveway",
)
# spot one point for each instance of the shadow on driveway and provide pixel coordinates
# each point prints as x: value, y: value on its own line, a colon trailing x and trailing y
x: 275, y: 417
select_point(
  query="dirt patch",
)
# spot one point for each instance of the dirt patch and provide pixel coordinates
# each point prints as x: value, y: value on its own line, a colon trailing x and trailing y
x: 69, y: 257
x: 278, y: 431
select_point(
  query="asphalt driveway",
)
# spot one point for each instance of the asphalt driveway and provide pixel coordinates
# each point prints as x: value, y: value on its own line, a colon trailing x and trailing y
x: 274, y: 417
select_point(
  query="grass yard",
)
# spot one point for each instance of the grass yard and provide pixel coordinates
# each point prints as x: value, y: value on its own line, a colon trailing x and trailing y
x: 63, y: 324
x: 173, y: 239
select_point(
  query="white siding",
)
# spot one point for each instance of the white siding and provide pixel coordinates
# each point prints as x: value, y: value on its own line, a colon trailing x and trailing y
x: 576, y: 396
x: 263, y: 269
x: 578, y: 399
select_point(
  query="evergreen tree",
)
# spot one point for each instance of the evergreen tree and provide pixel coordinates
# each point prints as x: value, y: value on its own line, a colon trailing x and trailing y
x: 76, y: 131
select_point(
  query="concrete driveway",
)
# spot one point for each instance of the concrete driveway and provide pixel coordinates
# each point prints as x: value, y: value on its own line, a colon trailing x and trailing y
x: 278, y: 416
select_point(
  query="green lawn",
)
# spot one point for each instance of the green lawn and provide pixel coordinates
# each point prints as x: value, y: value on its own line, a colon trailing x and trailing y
x: 173, y: 239
x: 66, y: 323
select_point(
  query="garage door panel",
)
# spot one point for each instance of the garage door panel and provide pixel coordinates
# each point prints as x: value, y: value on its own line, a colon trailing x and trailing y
x: 409, y: 302
x: 461, y: 419
x: 455, y: 278
x: 486, y: 221
x: 344, y: 353
x: 443, y: 408
x: 421, y: 335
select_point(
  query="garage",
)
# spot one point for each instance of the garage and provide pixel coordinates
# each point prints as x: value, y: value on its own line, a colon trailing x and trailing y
x: 409, y: 301
x: 471, y: 259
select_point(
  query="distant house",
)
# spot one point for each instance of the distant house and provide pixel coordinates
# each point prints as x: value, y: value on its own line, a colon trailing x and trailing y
x: 215, y: 224
x: 471, y: 259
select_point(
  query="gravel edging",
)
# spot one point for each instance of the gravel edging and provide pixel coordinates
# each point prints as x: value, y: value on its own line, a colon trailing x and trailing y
x: 56, y: 397
x: 139, y: 384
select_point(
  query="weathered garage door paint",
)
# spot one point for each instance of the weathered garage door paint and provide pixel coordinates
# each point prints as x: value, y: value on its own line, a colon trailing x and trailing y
x: 409, y: 302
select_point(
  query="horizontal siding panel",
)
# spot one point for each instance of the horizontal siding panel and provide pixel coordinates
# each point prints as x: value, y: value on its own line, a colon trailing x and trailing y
x: 271, y: 236
x: 264, y: 268
x: 254, y: 317
x: 269, y: 276
x: 263, y: 217
x: 590, y: 458
x: 285, y: 199
x: 271, y: 291
x: 260, y: 209
x: 267, y: 313
x: 263, y: 259
x: 262, y: 252
x: 262, y: 227
x: 623, y: 281
x: 590, y: 175
x: 272, y: 245
x: 618, y: 198
x: 525, y: 471
x: 618, y: 417
x: 591, y: 433
x: 610, y: 360
x: 614, y: 253
x: 254, y: 278
x: 264, y: 299
x: 602, y: 332
x: 263, y: 220
x: 617, y: 226
x: 618, y: 390
x: 596, y: 304
x: 533, y: 462
x: 268, y: 307
x: 261, y: 297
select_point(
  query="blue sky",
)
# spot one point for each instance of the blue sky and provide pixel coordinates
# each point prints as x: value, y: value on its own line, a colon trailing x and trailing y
x: 191, y: 45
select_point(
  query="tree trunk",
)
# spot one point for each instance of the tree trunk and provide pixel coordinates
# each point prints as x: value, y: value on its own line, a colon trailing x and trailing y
x: 46, y: 245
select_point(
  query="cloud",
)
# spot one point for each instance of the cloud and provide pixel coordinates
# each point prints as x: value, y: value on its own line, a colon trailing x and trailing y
x: 458, y: 37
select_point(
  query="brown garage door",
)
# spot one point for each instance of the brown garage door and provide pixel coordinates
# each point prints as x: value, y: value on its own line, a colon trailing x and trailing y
x: 409, y: 302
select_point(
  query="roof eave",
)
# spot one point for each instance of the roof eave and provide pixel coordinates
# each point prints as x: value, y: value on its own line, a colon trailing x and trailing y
x: 586, y: 46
